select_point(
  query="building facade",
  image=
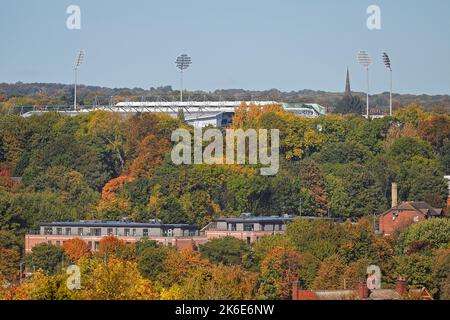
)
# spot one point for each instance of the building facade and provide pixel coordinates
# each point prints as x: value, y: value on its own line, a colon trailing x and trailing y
x: 247, y: 227
x: 56, y: 233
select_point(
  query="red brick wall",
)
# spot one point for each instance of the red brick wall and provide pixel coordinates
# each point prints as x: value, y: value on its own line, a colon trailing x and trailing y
x: 387, y: 225
x: 180, y: 243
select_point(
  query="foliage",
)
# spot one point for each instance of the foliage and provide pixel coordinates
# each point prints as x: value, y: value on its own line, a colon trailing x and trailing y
x: 227, y: 250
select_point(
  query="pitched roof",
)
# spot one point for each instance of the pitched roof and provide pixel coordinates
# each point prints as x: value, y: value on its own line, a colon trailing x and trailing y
x: 419, y: 206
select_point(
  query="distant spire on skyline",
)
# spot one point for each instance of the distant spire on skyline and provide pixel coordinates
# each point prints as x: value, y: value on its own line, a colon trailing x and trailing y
x: 348, y: 90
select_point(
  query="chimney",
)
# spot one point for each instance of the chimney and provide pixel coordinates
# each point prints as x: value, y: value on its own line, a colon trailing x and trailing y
x: 401, y: 286
x: 295, y: 290
x: 394, y: 195
x: 363, y: 290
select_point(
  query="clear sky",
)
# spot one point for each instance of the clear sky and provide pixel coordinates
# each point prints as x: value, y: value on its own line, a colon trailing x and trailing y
x: 249, y: 44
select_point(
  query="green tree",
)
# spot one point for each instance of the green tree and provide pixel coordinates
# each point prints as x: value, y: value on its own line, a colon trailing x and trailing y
x: 151, y: 261
x: 434, y: 232
x: 46, y: 257
x: 227, y: 250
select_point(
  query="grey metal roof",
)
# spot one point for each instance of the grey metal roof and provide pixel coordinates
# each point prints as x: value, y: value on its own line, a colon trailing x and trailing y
x: 116, y: 224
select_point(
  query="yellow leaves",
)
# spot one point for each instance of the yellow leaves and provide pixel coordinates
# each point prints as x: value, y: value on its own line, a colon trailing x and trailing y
x: 116, y: 279
x: 249, y: 116
x: 175, y: 292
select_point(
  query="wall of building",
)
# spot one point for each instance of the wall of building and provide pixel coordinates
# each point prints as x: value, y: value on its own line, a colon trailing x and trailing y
x: 388, y: 225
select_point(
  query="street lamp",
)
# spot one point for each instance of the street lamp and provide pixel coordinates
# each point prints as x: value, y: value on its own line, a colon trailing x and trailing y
x: 183, y: 62
x: 365, y: 60
x: 78, y: 62
x: 387, y: 63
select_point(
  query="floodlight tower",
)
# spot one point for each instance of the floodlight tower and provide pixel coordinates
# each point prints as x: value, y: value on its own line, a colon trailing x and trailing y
x: 387, y: 63
x: 78, y: 62
x: 365, y: 60
x: 183, y: 62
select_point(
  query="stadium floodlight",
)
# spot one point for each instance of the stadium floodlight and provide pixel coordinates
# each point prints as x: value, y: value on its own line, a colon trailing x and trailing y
x: 387, y: 63
x: 365, y: 60
x: 79, y: 60
x: 183, y: 62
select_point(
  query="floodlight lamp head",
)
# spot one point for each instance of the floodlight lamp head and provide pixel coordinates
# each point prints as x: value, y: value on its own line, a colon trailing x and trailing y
x: 183, y: 62
x: 80, y: 59
x: 364, y: 59
x: 387, y: 61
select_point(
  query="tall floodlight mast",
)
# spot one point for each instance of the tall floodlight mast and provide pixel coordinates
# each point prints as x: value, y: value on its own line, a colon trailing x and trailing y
x: 183, y: 62
x: 78, y: 62
x: 387, y: 63
x: 365, y: 60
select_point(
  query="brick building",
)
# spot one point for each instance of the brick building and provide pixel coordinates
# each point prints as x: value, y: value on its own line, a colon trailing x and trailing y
x: 247, y: 227
x: 405, y: 214
x: 56, y: 233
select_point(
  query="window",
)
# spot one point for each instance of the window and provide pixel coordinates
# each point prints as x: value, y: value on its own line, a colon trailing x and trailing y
x: 48, y: 230
x: 58, y: 243
x: 416, y: 219
x: 145, y: 232
x: 249, y: 240
x: 110, y: 231
x: 68, y: 231
x: 96, y: 245
x: 80, y: 231
x: 192, y: 233
x: 134, y: 232
x: 249, y: 227
x: 233, y: 227
x: 59, y: 231
x: 90, y: 245
x: 127, y: 232
x: 167, y: 232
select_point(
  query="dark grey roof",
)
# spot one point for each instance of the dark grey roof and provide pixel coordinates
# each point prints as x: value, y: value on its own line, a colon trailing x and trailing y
x: 115, y: 224
x: 267, y: 219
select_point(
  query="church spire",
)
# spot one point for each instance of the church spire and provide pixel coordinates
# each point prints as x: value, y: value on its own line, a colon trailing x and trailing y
x: 348, y: 90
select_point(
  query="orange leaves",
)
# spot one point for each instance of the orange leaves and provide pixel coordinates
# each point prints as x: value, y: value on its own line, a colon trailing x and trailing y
x: 113, y: 246
x: 113, y: 186
x: 279, y: 269
x: 150, y: 154
x: 76, y: 249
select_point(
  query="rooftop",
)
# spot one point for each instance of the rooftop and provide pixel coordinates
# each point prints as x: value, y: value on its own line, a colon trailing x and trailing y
x: 117, y: 224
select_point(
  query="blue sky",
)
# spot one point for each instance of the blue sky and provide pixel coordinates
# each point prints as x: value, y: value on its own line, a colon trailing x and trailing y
x: 250, y: 44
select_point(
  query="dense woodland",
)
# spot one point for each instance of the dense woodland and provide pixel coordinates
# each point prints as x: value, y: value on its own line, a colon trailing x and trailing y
x: 103, y: 166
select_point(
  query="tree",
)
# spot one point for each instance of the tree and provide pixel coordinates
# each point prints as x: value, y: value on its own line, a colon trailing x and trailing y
x: 227, y: 250
x: 330, y: 274
x: 318, y: 237
x: 357, y: 241
x: 435, y: 130
x: 45, y: 257
x: 349, y: 104
x: 435, y: 232
x: 422, y: 180
x: 151, y: 261
x: 150, y: 154
x: 219, y: 282
x: 404, y: 149
x: 179, y: 264
x: 9, y: 264
x: 279, y: 269
x: 266, y: 243
x: 114, y: 279
x: 111, y: 246
x: 418, y: 269
x: 76, y: 249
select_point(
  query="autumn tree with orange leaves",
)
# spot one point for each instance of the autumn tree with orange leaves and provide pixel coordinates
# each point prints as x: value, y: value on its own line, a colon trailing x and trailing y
x: 76, y: 249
